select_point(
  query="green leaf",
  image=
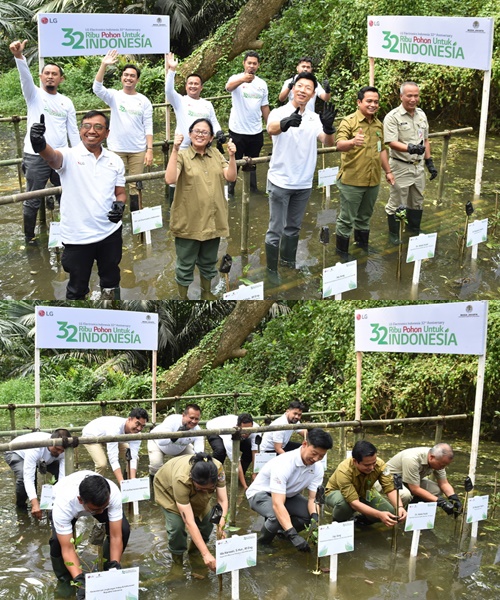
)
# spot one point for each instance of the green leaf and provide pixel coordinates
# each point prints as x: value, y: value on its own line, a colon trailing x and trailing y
x: 323, y: 551
x: 221, y: 569
x: 251, y: 562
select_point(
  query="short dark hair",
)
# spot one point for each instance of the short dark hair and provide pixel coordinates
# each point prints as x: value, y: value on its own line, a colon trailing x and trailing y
x: 361, y: 449
x: 319, y: 438
x: 244, y: 418
x: 131, y: 66
x: 203, y: 469
x: 251, y: 54
x: 297, y: 404
x: 53, y: 64
x: 306, y: 75
x: 192, y: 406
x: 95, y: 113
x: 195, y: 75
x: 95, y: 489
x: 60, y: 433
x: 367, y: 88
x: 202, y: 120
x: 138, y: 413
x: 305, y: 59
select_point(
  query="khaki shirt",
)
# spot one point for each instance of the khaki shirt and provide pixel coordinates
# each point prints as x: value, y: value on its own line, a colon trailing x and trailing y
x: 173, y: 485
x: 199, y: 209
x: 355, y: 485
x: 361, y: 166
x: 400, y: 126
x: 413, y: 466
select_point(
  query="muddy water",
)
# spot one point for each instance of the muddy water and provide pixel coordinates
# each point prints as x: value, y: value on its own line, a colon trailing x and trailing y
x: 441, y: 571
x: 148, y: 271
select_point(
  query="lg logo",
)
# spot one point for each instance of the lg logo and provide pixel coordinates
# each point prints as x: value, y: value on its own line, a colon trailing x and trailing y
x: 45, y: 313
x: 46, y: 20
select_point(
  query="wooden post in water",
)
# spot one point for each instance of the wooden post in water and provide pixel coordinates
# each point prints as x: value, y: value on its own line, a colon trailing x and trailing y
x: 444, y: 159
x: 439, y: 432
x: 12, y: 411
x: 19, y: 150
x: 69, y: 460
x: 245, y: 210
x: 233, y: 493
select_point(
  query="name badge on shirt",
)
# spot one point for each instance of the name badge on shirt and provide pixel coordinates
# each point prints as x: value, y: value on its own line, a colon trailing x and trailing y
x: 379, y: 146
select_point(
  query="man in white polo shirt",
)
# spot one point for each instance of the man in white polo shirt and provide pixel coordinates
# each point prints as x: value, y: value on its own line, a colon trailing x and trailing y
x: 79, y: 494
x: 222, y: 445
x: 279, y: 441
x: 131, y: 133
x: 295, y: 132
x: 304, y: 64
x: 187, y: 421
x: 25, y: 463
x: 92, y: 205
x: 276, y: 492
x: 250, y: 104
x: 102, y: 426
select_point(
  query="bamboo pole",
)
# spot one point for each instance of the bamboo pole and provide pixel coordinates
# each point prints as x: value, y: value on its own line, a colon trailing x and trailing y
x: 442, y: 169
x: 245, y: 211
x: 233, y: 492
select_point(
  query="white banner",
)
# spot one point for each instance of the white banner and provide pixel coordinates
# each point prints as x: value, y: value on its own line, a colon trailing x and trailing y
x: 421, y: 247
x: 420, y: 515
x: 246, y: 292
x: 117, y: 584
x: 336, y: 538
x: 452, y: 328
x: 134, y: 490
x: 477, y: 509
x: 58, y: 327
x: 477, y: 232
x: 235, y: 553
x: 453, y: 41
x: 340, y: 278
x: 74, y: 34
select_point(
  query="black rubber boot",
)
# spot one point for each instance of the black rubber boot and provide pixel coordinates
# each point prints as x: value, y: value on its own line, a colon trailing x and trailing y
x: 361, y: 238
x: 60, y: 570
x: 393, y: 224
x: 414, y: 218
x: 266, y: 536
x: 272, y: 255
x: 29, y: 223
x: 253, y: 182
x: 206, y: 289
x: 134, y: 202
x: 288, y: 250
x: 341, y: 245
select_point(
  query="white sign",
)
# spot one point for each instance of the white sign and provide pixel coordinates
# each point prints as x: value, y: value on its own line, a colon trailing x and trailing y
x: 453, y: 41
x: 237, y: 552
x: 452, y: 328
x: 46, y: 497
x: 327, y: 176
x: 134, y: 490
x: 421, y: 247
x: 477, y: 232
x: 147, y: 219
x: 86, y: 34
x: 420, y: 515
x: 55, y: 235
x: 57, y: 327
x: 340, y: 278
x: 336, y: 538
x: 246, y: 292
x: 477, y: 509
x: 261, y: 458
x: 117, y: 584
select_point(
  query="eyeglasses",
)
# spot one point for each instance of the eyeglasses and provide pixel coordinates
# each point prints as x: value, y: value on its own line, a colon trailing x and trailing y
x: 200, y: 132
x: 201, y: 488
x: 96, y: 126
x: 95, y: 511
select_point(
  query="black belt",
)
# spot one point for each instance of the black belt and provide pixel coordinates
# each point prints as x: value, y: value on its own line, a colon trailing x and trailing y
x: 408, y: 162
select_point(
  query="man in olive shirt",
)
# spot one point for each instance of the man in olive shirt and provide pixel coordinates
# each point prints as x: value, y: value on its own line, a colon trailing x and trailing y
x: 406, y: 132
x: 351, y: 488
x: 414, y: 464
x: 359, y: 138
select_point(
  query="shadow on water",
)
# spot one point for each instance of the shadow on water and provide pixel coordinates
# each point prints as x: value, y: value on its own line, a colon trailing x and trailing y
x: 441, y: 570
x: 148, y: 271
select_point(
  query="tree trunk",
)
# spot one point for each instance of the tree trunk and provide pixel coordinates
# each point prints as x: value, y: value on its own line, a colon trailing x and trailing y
x: 232, y: 38
x: 219, y: 345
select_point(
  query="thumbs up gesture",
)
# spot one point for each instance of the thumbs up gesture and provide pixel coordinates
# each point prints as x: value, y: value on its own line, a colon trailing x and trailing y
x: 294, y: 120
x: 37, y: 137
x: 359, y: 138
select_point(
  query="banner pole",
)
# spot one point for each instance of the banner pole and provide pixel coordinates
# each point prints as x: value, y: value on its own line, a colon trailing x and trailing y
x: 476, y: 425
x: 37, y: 387
x: 372, y: 71
x: 153, y: 385
x: 482, y: 133
x: 359, y: 361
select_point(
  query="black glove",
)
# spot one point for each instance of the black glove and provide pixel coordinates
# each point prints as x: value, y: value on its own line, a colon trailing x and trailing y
x: 79, y: 582
x: 215, y: 514
x: 298, y: 541
x: 37, y: 137
x: 42, y: 467
x: 327, y: 117
x: 448, y: 507
x: 291, y: 83
x: 398, y: 481
x: 221, y: 138
x: 226, y: 263
x: 314, y: 522
x: 416, y: 148
x: 294, y: 120
x: 469, y: 209
x: 457, y: 505
x: 116, y: 213
x: 324, y: 235
x: 429, y: 163
x: 320, y: 495
x: 112, y: 564
x: 326, y: 86
x: 468, y: 485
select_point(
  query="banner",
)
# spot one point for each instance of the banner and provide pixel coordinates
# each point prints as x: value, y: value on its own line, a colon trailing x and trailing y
x: 101, y: 329
x: 453, y: 41
x: 75, y: 34
x: 451, y: 328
